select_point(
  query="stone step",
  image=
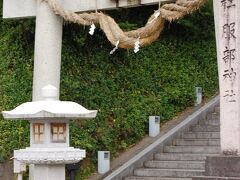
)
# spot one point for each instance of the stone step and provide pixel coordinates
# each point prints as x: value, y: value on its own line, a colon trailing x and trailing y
x: 217, y: 109
x: 201, y: 135
x: 205, y: 128
x: 175, y: 164
x: 213, y: 116
x: 192, y: 149
x: 181, y: 157
x: 196, y: 142
x: 215, y: 178
x: 215, y: 122
x: 154, y: 178
x: 167, y: 172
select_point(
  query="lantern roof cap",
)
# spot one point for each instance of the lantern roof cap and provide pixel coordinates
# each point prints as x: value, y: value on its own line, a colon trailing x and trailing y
x: 50, y: 109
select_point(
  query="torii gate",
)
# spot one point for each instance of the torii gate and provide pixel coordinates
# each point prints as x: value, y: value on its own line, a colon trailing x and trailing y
x: 48, y: 35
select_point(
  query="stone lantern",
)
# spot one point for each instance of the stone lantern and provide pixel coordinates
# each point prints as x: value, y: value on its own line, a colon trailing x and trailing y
x: 49, y: 149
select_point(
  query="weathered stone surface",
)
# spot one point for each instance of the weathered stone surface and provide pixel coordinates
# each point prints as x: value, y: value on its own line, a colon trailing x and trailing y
x: 196, y: 142
x: 223, y: 166
x: 175, y: 164
x: 152, y: 172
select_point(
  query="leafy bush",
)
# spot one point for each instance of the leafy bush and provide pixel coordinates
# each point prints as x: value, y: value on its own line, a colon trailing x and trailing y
x: 124, y: 87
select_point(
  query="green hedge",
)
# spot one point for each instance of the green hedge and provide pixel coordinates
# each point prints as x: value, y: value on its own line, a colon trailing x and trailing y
x: 124, y: 87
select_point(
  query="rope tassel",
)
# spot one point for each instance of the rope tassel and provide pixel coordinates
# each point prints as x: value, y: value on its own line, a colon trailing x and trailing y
x: 92, y: 29
x: 116, y: 47
x: 137, y: 46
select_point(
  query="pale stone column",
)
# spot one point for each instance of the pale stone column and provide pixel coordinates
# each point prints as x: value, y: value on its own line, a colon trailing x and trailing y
x: 227, y: 24
x: 48, y: 46
x: 47, y: 65
x: 49, y: 172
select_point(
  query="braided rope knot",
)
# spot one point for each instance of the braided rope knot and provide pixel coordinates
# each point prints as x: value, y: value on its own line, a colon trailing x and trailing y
x: 145, y: 35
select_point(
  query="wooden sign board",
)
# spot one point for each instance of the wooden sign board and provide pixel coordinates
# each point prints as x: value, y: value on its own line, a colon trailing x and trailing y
x: 27, y: 8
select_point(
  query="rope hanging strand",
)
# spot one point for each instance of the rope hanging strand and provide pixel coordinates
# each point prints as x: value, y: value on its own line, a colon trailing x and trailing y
x: 145, y: 35
x: 93, y: 27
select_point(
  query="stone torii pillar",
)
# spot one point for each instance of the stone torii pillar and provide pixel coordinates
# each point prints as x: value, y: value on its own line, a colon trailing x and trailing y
x: 48, y: 46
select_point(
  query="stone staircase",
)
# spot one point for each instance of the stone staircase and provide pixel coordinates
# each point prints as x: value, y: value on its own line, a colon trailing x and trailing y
x: 185, y: 157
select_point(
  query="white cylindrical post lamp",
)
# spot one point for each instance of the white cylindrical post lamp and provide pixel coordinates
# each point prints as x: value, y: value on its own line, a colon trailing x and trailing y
x: 198, y: 96
x: 154, y: 126
x: 103, y: 161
